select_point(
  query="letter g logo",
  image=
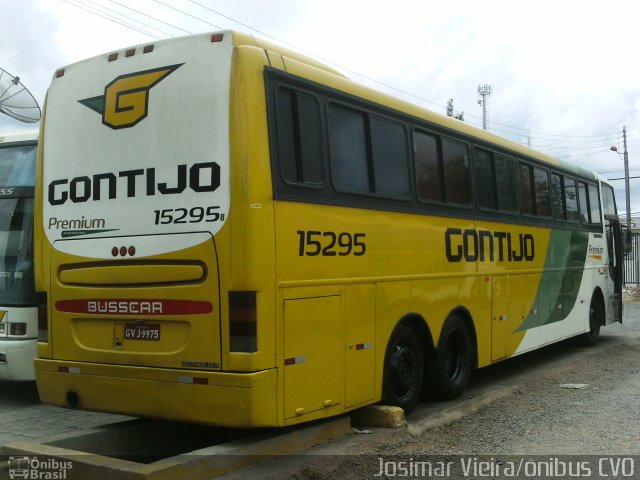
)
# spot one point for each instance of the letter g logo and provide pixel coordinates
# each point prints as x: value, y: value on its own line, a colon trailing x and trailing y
x: 126, y: 99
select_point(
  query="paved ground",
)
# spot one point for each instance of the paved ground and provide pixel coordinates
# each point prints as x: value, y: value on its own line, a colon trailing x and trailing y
x: 531, y: 414
x: 521, y: 401
x: 23, y: 418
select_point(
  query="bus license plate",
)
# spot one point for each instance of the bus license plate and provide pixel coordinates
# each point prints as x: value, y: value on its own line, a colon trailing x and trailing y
x: 136, y: 331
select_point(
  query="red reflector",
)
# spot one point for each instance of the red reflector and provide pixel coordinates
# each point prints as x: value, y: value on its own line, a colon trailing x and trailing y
x: 132, y: 251
x: 130, y: 53
x: 60, y: 73
x: 63, y: 369
x: 294, y: 360
x: 216, y: 37
x: 123, y: 251
x: 147, y: 49
x: 200, y: 381
x: 112, y: 57
x: 114, y: 251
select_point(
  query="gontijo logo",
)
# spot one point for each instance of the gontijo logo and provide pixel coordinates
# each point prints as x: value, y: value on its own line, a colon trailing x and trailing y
x: 126, y: 99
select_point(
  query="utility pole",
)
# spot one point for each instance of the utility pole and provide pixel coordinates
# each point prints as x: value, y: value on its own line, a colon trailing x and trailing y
x: 626, y: 175
x: 484, y: 91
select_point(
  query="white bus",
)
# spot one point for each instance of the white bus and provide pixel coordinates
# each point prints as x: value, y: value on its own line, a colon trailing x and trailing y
x: 18, y: 310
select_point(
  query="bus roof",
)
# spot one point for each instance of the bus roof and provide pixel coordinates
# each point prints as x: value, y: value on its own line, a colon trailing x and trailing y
x: 441, y: 120
x: 19, y: 136
x: 418, y: 111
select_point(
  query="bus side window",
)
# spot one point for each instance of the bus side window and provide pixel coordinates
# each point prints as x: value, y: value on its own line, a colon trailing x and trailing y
x: 594, y: 204
x: 388, y: 147
x: 584, y: 207
x: 299, y: 138
x: 608, y: 201
x: 558, y: 198
x: 485, y: 182
x: 428, y: 168
x: 495, y: 181
x: 542, y: 192
x: 348, y: 149
x: 455, y: 159
x: 525, y: 189
x: 571, y: 199
x: 506, y: 183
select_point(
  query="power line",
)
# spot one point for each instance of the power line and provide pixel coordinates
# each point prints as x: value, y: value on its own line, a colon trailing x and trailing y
x: 149, y: 16
x: 188, y: 14
x: 97, y: 5
x: 109, y: 18
x: 555, y: 143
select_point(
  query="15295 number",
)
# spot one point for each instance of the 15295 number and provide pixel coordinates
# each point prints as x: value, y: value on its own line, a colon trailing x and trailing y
x: 331, y: 244
x: 184, y: 215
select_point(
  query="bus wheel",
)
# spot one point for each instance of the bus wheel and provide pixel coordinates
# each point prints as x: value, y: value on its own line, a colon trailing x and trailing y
x: 403, y: 370
x: 596, y: 315
x: 453, y: 360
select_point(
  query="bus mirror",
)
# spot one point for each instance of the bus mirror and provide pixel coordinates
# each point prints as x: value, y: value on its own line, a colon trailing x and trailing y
x: 627, y: 241
x: 611, y: 218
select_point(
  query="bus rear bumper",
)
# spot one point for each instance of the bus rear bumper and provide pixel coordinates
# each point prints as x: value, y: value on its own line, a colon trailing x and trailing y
x: 214, y: 398
x: 16, y: 359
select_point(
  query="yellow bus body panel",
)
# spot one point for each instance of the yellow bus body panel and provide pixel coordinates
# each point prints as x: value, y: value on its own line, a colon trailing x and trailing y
x: 227, y: 399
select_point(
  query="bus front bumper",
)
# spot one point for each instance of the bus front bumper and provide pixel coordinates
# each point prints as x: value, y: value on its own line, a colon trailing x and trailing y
x: 214, y: 398
x: 16, y: 359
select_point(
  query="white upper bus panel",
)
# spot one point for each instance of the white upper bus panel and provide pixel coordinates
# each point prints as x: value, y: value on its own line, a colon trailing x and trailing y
x: 137, y: 142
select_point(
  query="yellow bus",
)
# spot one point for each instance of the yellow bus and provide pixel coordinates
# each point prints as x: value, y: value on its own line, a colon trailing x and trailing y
x: 231, y: 233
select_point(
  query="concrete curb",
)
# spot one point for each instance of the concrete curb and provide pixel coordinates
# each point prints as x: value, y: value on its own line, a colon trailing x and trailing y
x: 203, y: 463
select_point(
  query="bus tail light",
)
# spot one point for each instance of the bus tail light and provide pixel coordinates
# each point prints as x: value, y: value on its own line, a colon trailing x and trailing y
x: 243, y: 322
x: 43, y: 317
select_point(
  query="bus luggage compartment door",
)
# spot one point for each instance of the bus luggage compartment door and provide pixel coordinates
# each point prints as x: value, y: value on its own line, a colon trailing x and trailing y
x: 314, y: 355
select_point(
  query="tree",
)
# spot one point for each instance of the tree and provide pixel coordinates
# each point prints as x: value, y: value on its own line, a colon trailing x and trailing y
x: 451, y: 113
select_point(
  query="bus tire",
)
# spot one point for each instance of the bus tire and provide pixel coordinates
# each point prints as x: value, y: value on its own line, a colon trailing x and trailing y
x: 453, y: 360
x: 596, y: 316
x: 403, y: 370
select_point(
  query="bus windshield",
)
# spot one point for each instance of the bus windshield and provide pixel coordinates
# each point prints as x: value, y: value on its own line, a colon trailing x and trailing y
x: 17, y: 176
x: 17, y: 167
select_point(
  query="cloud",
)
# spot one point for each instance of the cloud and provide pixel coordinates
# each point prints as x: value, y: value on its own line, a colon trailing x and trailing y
x: 560, y: 73
x: 27, y: 48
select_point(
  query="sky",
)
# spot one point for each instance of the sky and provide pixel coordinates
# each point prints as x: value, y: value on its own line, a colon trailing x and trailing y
x: 564, y: 75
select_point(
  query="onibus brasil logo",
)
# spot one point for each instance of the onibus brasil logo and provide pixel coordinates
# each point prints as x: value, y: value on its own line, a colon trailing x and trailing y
x: 38, y: 469
x: 126, y: 99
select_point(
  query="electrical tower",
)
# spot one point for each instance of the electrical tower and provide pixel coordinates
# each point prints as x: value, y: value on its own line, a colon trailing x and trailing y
x: 484, y: 91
